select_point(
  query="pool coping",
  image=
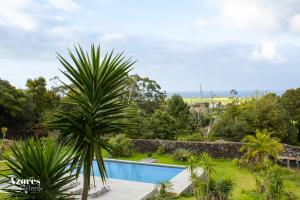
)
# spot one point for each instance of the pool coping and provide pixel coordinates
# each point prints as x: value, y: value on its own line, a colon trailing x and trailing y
x: 181, y: 183
x: 145, y: 163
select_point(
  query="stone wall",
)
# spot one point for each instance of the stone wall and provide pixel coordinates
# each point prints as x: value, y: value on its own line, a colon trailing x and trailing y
x: 215, y: 149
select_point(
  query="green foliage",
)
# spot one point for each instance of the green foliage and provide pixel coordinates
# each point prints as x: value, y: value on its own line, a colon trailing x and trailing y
x: 274, y: 183
x: 121, y: 146
x: 191, y: 137
x: 145, y: 93
x: 291, y: 102
x: 178, y: 109
x: 99, y: 85
x: 242, y: 119
x: 42, y: 98
x: 44, y: 161
x: 16, y: 109
x: 160, y: 150
x: 181, y: 154
x: 164, y: 190
x: 260, y: 149
x: 224, y: 188
x: 161, y: 125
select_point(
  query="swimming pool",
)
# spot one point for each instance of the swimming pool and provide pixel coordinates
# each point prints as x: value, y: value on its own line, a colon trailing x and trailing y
x: 138, y: 172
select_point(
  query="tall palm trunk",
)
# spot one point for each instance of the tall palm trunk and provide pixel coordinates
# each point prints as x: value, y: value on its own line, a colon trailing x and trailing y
x: 86, y: 178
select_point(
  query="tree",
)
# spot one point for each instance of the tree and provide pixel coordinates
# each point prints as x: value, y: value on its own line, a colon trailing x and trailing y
x: 99, y: 86
x: 145, y: 93
x: 271, y: 115
x: 16, y: 110
x: 178, y: 109
x: 43, y: 99
x: 291, y: 102
x: 161, y: 125
x: 240, y: 119
x: 260, y: 149
x: 208, y: 165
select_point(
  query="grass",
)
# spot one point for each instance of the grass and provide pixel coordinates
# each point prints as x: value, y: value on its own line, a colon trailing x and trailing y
x: 244, y: 180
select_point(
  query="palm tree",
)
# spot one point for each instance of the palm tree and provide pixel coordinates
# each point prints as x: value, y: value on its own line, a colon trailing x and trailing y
x: 208, y: 165
x: 99, y: 85
x: 259, y: 149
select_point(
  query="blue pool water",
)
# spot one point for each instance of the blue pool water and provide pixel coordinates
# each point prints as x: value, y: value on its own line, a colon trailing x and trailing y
x: 138, y: 172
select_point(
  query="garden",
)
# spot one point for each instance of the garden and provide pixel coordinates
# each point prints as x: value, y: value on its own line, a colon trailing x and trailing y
x: 52, y: 136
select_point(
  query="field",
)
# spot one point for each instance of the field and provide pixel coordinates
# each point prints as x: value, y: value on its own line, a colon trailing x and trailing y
x: 222, y: 100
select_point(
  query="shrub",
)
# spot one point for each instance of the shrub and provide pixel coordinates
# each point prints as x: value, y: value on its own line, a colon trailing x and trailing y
x: 181, y: 154
x: 224, y: 188
x: 121, y: 146
x: 274, y: 183
x: 192, y: 137
x: 160, y: 150
x: 42, y: 161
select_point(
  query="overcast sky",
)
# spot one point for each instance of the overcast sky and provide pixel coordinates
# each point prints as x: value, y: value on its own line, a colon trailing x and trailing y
x: 222, y: 44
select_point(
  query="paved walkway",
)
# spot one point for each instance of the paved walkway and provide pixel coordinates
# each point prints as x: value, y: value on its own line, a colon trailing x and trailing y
x: 122, y: 190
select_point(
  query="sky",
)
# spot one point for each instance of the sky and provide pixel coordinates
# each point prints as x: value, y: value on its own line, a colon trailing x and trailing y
x: 222, y: 44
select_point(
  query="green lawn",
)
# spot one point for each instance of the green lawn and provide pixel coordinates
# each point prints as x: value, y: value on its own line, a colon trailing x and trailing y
x: 244, y: 180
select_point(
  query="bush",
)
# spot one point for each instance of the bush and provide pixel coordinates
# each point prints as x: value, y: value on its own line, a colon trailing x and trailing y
x: 45, y: 164
x: 192, y: 137
x: 181, y: 154
x: 274, y: 183
x: 121, y: 146
x: 224, y: 188
x: 160, y: 150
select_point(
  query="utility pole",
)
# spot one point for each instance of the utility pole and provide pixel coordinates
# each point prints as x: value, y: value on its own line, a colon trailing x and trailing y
x: 201, y: 93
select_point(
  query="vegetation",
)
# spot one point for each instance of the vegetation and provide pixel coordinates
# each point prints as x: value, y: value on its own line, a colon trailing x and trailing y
x: 259, y: 150
x: 243, y: 118
x: 181, y: 154
x: 99, y: 109
x: 121, y: 146
x: 42, y: 161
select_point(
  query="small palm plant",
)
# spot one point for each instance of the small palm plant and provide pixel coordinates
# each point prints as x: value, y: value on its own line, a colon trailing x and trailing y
x: 99, y: 86
x: 206, y: 162
x: 163, y: 190
x: 40, y: 170
x: 274, y: 182
x: 208, y: 165
x: 224, y: 188
x: 259, y: 149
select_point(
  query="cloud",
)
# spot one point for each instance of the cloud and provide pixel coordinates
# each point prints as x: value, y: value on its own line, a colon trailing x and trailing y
x: 66, y: 5
x: 248, y: 15
x: 113, y: 37
x: 15, y: 14
x: 203, y: 22
x: 65, y: 32
x: 267, y: 50
x: 295, y: 23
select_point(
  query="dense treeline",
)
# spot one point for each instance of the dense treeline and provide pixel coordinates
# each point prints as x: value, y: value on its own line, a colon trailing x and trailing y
x: 25, y: 111
x: 278, y: 115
